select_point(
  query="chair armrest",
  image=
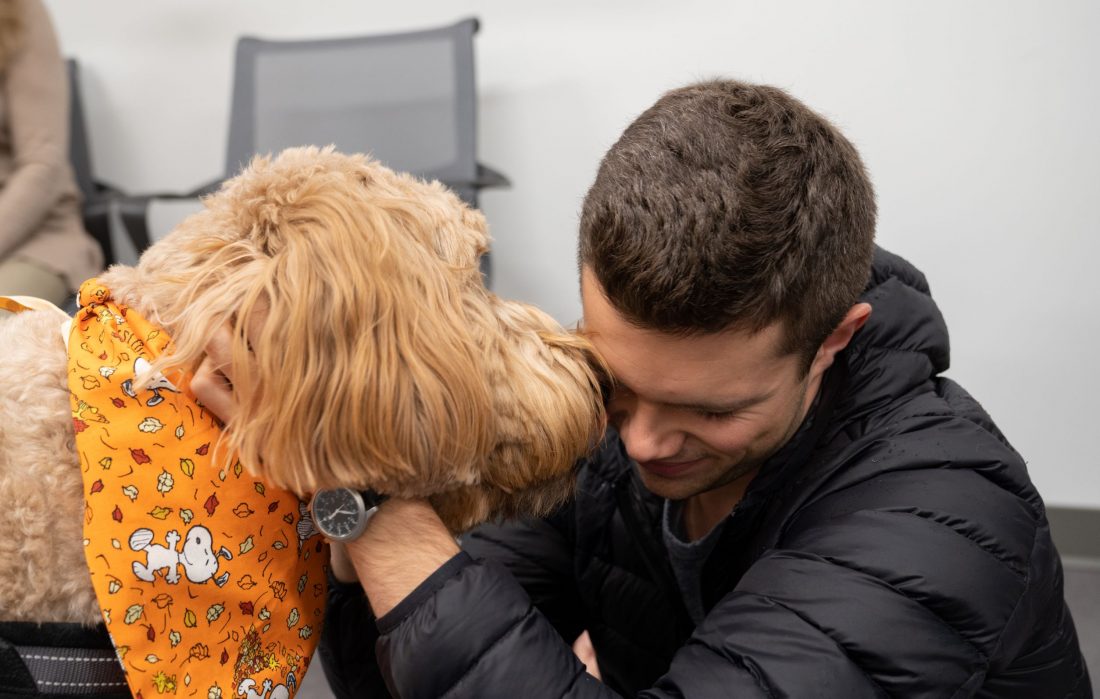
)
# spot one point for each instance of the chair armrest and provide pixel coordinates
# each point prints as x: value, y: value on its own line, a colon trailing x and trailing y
x: 133, y: 209
x: 488, y: 177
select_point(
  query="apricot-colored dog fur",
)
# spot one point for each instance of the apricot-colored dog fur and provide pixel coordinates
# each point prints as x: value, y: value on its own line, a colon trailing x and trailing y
x: 377, y: 360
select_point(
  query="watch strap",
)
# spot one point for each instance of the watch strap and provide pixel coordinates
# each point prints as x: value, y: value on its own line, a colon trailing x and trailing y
x: 372, y: 499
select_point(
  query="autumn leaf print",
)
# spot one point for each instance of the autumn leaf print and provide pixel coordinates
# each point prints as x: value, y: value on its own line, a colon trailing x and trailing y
x: 118, y: 403
x: 90, y: 383
x: 164, y: 684
x: 292, y: 618
x: 188, y: 467
x: 246, y: 546
x: 187, y: 516
x: 211, y: 504
x: 139, y: 456
x: 164, y: 482
x: 117, y: 514
x: 214, y: 612
x: 130, y: 491
x: 133, y: 613
x: 174, y: 638
x: 106, y: 371
x: 159, y: 512
x: 246, y: 608
x: 278, y: 588
x: 150, y: 424
x: 243, y: 510
x: 79, y: 425
x: 105, y: 463
x: 189, y: 619
x: 96, y: 487
x: 201, y: 451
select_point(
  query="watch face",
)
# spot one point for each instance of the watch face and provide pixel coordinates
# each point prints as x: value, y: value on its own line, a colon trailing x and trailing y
x: 339, y: 513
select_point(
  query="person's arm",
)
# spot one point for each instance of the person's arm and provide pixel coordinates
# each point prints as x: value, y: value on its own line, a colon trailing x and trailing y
x: 536, y: 553
x: 453, y: 626
x: 36, y: 98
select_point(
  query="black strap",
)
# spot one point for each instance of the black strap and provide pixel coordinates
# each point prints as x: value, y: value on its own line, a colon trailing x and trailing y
x: 59, y: 660
x: 372, y: 499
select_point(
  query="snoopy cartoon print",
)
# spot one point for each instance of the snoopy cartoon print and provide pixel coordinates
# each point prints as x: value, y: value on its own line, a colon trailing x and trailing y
x: 247, y: 688
x: 158, y: 384
x: 198, y: 558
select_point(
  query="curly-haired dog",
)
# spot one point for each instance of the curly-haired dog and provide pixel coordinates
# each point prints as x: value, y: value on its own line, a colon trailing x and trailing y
x: 366, y: 352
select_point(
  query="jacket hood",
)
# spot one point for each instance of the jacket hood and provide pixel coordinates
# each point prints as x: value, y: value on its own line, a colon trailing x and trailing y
x: 906, y: 325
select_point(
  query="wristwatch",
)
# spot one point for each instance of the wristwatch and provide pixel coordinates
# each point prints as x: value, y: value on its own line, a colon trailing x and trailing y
x: 342, y: 514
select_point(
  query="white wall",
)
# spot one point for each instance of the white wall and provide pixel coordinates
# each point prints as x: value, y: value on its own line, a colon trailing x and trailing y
x: 979, y: 121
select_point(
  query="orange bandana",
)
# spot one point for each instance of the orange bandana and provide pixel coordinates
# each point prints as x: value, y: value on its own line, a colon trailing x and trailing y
x: 211, y: 582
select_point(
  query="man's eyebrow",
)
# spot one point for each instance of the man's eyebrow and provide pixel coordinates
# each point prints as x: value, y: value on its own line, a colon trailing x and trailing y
x: 732, y: 406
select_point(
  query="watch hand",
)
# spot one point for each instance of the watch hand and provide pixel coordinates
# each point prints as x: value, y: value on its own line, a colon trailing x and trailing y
x: 340, y: 511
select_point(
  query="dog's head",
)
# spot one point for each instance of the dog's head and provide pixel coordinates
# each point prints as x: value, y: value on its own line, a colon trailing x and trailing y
x: 366, y: 350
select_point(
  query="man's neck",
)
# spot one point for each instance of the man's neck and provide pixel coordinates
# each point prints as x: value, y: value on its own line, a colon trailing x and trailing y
x: 704, y: 511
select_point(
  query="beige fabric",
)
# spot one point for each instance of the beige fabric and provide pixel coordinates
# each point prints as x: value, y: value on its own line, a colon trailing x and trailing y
x: 19, y: 277
x: 39, y: 202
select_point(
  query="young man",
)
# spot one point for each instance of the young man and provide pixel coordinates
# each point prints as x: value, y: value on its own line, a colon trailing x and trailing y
x: 791, y: 500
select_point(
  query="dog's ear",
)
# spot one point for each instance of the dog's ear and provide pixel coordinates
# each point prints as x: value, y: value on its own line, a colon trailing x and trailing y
x: 552, y: 414
x: 222, y: 579
x: 224, y: 553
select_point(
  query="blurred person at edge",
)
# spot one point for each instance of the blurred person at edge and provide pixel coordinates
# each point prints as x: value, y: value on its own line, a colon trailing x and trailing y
x: 44, y: 249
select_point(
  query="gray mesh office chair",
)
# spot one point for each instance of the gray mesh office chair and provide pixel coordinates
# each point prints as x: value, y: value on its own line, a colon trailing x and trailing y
x: 410, y: 99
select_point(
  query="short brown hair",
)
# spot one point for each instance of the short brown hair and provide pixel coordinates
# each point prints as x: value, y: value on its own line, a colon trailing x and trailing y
x: 728, y: 205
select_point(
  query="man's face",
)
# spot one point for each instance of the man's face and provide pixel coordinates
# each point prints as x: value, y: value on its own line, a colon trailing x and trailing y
x: 696, y: 412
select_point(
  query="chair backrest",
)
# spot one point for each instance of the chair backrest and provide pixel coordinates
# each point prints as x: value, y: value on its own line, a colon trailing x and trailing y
x: 409, y: 99
x: 79, y: 155
x: 81, y: 159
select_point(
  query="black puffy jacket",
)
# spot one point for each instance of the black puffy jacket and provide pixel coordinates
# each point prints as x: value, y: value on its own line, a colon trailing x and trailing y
x: 898, y: 548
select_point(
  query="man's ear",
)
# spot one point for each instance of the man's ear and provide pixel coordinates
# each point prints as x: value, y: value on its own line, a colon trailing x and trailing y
x: 837, y: 340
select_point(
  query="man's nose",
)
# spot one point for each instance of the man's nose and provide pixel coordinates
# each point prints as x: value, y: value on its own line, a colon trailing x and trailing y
x: 648, y: 434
